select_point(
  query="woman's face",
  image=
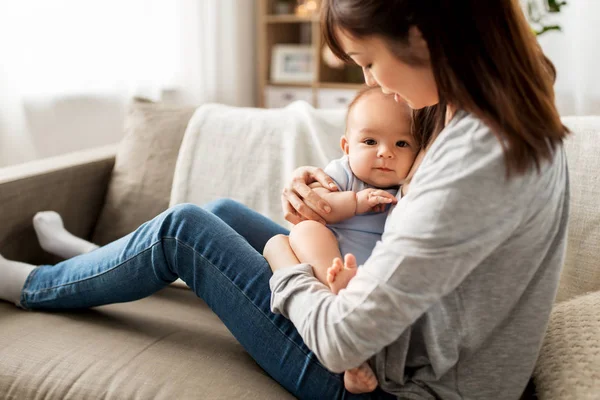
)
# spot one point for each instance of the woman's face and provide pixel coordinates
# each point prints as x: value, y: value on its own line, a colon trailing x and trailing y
x: 413, y: 84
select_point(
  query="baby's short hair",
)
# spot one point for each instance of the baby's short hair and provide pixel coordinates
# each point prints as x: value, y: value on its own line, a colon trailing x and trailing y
x: 361, y: 93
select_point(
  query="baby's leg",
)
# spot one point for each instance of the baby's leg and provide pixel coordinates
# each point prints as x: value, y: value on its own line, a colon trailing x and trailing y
x: 315, y: 244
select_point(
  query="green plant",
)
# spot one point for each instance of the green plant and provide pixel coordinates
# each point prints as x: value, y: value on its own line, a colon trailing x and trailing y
x: 537, y: 12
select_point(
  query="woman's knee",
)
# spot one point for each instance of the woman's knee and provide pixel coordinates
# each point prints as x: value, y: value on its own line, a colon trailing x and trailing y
x: 185, y: 211
x: 222, y: 207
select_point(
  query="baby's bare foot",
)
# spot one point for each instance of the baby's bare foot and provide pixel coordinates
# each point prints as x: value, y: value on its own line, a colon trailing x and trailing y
x: 338, y: 275
x: 360, y: 379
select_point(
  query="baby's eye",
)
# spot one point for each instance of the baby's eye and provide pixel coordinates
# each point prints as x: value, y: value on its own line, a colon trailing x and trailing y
x: 370, y: 142
x: 402, y: 143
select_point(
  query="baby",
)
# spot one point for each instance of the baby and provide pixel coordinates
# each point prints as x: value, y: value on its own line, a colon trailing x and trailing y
x: 379, y: 151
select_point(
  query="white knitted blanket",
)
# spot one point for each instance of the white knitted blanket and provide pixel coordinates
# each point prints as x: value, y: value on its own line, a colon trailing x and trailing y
x: 248, y: 154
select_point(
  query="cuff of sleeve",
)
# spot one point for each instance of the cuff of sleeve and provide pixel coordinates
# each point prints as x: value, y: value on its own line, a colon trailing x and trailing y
x: 281, y: 291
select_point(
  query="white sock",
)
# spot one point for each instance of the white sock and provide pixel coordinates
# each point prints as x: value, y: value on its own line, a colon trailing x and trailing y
x: 55, y: 239
x: 13, y: 275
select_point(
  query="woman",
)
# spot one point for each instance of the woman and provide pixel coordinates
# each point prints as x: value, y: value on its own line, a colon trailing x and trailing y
x: 454, y: 300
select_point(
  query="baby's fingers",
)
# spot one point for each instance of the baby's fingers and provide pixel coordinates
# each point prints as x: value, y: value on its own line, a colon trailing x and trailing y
x: 388, y: 195
x: 375, y: 200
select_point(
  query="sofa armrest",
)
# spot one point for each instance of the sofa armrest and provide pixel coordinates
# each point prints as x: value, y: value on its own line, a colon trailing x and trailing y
x: 74, y: 185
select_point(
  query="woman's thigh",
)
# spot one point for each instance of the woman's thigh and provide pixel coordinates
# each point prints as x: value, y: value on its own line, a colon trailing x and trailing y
x: 253, y: 226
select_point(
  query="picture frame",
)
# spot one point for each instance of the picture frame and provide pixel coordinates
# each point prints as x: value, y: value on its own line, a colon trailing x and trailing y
x: 292, y: 63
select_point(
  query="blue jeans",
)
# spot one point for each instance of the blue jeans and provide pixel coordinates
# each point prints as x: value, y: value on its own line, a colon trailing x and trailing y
x: 217, y: 251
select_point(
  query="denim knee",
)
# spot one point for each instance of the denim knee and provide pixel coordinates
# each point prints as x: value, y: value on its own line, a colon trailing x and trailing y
x: 222, y: 207
x: 183, y: 212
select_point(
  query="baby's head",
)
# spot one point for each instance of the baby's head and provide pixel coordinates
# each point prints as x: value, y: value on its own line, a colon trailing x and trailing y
x: 379, y: 141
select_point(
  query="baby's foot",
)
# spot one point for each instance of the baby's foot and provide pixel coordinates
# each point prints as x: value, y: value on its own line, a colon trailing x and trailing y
x: 55, y: 239
x: 360, y: 379
x: 338, y: 275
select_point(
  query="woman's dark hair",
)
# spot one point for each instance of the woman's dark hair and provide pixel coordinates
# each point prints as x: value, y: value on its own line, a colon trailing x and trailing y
x: 485, y: 60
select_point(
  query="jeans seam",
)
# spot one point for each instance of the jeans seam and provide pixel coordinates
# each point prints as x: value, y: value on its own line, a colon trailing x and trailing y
x: 257, y: 308
x: 89, y: 277
x: 24, y: 291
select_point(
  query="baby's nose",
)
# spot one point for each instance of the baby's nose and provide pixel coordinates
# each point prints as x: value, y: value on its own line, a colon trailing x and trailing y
x: 385, y: 152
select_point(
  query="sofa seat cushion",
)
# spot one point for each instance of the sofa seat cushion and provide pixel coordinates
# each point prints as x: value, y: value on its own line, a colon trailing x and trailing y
x: 167, y: 346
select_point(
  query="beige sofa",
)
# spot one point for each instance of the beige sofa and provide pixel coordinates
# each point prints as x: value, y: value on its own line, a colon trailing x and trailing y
x: 171, y: 346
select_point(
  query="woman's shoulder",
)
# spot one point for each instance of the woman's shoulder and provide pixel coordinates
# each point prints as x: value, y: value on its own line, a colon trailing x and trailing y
x: 469, y: 156
x: 465, y: 135
x: 466, y: 145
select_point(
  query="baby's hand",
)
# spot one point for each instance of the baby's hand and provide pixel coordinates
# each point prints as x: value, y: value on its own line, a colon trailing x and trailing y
x: 373, y: 200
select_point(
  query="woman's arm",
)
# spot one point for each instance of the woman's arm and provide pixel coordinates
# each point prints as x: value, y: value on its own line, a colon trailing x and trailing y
x: 459, y: 209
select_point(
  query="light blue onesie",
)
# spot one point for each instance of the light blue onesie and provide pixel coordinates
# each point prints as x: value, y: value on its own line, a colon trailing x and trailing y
x: 357, y: 235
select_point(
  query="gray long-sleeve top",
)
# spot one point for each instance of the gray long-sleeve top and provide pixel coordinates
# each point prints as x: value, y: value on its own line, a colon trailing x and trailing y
x: 454, y: 301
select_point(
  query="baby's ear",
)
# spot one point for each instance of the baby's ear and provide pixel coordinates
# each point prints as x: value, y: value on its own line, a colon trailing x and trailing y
x: 344, y: 144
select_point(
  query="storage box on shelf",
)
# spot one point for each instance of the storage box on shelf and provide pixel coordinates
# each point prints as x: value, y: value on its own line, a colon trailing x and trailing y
x: 281, y: 96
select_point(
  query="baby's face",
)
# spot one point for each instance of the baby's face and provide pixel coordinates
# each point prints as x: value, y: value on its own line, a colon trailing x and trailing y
x: 378, y: 142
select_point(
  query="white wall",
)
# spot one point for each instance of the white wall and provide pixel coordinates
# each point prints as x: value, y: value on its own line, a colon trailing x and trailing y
x: 575, y: 53
x: 193, y: 52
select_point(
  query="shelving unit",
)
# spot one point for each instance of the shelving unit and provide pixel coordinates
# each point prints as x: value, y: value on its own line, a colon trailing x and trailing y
x: 330, y: 88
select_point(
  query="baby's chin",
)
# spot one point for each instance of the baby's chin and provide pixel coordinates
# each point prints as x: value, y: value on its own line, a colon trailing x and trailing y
x: 382, y: 183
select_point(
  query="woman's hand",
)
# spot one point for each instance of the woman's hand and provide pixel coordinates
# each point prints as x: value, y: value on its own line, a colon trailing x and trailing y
x: 300, y: 202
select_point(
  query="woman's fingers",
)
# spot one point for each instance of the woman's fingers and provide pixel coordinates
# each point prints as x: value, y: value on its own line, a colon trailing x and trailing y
x: 300, y: 202
x: 324, y: 179
x: 302, y: 210
x: 311, y: 198
x: 289, y: 213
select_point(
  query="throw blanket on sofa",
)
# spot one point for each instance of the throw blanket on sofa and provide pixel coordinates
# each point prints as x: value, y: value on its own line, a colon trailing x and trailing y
x: 248, y: 154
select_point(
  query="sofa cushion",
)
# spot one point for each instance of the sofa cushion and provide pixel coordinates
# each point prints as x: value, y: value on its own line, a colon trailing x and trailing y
x: 568, y: 367
x: 581, y: 271
x: 167, y: 346
x: 141, y: 181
